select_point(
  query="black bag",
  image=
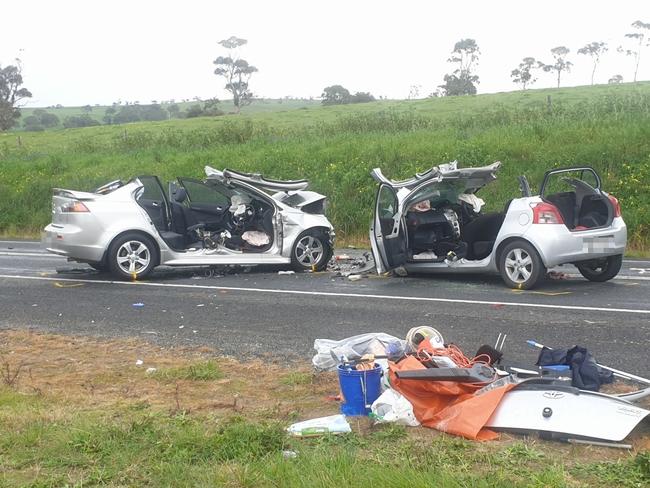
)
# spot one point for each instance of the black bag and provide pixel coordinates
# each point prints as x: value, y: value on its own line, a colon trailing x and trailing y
x: 585, y: 372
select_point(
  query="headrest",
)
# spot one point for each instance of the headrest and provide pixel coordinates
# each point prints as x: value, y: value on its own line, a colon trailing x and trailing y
x: 180, y: 195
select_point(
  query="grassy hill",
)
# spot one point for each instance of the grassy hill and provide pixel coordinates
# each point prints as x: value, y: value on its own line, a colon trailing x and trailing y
x: 97, y: 111
x: 335, y: 147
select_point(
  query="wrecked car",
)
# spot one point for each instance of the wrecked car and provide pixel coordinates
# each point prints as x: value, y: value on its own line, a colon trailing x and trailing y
x: 228, y: 218
x: 434, y: 222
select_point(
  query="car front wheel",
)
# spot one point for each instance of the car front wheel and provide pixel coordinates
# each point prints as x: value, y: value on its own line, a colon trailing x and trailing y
x: 311, y: 251
x: 600, y: 270
x: 520, y: 265
x: 131, y: 256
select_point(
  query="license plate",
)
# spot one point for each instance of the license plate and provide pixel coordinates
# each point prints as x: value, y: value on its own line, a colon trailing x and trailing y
x: 600, y: 244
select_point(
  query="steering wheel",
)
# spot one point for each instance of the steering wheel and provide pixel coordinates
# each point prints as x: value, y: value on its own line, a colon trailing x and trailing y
x: 244, y: 213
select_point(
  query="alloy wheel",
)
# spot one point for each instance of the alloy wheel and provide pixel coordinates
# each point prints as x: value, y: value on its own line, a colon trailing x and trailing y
x: 518, y: 265
x: 309, y: 251
x: 133, y: 257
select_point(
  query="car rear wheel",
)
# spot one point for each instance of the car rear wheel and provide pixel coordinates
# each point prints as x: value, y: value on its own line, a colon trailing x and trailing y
x: 132, y: 255
x: 520, y: 265
x: 600, y: 270
x: 312, y: 250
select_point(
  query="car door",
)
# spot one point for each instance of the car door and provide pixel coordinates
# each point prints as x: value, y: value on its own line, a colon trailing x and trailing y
x: 387, y: 233
x: 153, y: 200
x: 208, y: 203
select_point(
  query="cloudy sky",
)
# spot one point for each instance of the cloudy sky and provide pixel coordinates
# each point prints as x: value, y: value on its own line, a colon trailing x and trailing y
x: 98, y: 51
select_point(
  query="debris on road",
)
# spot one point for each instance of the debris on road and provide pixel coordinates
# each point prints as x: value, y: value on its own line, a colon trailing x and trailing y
x: 139, y: 362
x: 138, y: 305
x: 346, y: 265
x: 289, y: 272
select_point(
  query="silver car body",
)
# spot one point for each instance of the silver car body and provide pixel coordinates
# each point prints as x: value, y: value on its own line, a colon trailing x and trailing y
x: 86, y: 236
x: 556, y: 244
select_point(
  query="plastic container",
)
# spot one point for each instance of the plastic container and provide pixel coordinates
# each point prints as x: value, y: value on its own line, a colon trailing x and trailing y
x: 359, y: 389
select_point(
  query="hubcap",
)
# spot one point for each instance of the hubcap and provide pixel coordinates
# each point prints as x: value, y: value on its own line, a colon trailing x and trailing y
x: 133, y: 257
x: 519, y: 265
x: 309, y: 251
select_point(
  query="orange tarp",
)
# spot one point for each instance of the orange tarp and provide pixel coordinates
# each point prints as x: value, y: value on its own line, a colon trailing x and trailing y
x: 446, y: 405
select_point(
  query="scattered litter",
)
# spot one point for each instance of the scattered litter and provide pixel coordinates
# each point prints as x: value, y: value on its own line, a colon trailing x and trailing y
x: 343, y: 257
x: 151, y: 370
x: 34, y: 304
x: 329, y: 353
x: 345, y: 264
x: 139, y: 362
x: 354, y: 277
x: 289, y: 454
x: 138, y: 305
x: 201, y: 305
x: 181, y: 326
x: 334, y: 424
x: 194, y: 331
x: 392, y: 407
x: 290, y: 272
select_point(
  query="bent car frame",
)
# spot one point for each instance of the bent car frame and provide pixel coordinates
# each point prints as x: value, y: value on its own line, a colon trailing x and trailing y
x: 433, y: 223
x: 227, y: 218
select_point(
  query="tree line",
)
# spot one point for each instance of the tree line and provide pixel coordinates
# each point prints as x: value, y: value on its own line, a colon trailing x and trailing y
x: 237, y: 72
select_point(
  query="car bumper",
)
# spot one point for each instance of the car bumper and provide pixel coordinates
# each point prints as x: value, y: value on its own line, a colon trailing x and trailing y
x: 560, y: 245
x: 71, y: 241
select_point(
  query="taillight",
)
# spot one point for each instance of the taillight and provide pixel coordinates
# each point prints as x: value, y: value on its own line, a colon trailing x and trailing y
x: 615, y: 204
x: 545, y: 213
x: 74, y: 206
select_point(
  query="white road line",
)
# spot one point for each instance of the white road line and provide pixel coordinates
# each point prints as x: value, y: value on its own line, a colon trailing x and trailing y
x: 335, y: 294
x: 31, y: 254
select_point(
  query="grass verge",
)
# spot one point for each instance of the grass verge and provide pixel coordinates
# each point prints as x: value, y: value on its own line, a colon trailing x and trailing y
x: 81, y: 413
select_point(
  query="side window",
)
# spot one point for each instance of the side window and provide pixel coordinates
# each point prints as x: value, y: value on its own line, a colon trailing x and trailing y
x: 151, y: 189
x: 387, y: 205
x: 202, y: 194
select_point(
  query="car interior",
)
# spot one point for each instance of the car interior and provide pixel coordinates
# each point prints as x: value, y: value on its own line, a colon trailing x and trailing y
x: 205, y: 215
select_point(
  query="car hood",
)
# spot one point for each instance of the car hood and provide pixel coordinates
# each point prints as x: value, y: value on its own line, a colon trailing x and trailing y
x: 471, y: 178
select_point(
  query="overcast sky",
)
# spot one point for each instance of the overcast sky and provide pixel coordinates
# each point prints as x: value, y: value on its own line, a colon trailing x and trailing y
x: 101, y: 51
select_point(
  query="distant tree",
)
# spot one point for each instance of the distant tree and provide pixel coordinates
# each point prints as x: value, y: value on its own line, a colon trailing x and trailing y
x: 560, y: 62
x: 84, y: 120
x: 414, y: 91
x: 153, y: 112
x: 173, y: 110
x: 126, y: 114
x: 209, y: 108
x: 462, y: 81
x: 32, y: 123
x: 109, y: 113
x: 362, y: 97
x: 41, y: 118
x: 236, y: 71
x: 523, y: 75
x: 335, y: 95
x: 641, y: 40
x: 595, y: 50
x: 615, y: 80
x: 86, y: 109
x: 11, y: 94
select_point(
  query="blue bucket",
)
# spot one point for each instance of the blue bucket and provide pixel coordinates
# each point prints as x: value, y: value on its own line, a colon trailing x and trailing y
x: 359, y: 389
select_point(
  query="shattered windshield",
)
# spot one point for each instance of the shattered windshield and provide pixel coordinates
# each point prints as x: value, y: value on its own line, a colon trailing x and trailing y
x: 447, y: 190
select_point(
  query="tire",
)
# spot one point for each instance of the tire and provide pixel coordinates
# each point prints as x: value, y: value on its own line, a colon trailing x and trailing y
x: 600, y: 270
x: 520, y: 265
x: 142, y: 260
x: 312, y: 250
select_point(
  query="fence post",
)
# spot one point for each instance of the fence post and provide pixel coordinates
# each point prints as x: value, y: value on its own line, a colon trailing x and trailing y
x: 548, y: 103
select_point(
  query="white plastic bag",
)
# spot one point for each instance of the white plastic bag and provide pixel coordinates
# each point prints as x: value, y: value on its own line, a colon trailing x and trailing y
x: 351, y: 348
x: 334, y: 424
x: 391, y: 406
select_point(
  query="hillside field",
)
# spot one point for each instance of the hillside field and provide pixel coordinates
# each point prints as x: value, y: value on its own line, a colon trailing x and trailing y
x: 605, y: 126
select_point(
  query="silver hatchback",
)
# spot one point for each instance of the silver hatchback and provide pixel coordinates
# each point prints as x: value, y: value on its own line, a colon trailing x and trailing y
x: 227, y: 218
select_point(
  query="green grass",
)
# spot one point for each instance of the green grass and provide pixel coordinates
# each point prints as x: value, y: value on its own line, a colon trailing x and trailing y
x: 336, y: 147
x: 202, y: 371
x: 49, y: 444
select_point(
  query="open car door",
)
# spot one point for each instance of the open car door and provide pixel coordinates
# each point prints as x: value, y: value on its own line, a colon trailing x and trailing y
x: 387, y: 235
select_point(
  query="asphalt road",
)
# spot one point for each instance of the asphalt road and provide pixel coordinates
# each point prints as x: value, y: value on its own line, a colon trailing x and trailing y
x: 263, y: 313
